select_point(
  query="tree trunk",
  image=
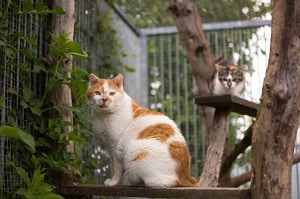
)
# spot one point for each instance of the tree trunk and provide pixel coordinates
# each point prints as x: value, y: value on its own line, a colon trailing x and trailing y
x: 62, y: 94
x: 277, y: 122
x: 198, y: 53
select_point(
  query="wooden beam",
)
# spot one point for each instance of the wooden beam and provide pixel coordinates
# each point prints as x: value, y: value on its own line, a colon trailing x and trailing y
x: 182, y: 192
x: 217, y: 140
x: 236, y: 104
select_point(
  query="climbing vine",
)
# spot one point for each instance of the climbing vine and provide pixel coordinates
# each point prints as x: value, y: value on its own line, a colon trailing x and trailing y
x: 43, y: 153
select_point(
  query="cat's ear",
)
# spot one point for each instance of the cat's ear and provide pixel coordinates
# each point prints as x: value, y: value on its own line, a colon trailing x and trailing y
x: 93, y: 79
x: 118, y: 80
x: 243, y: 67
x: 218, y: 67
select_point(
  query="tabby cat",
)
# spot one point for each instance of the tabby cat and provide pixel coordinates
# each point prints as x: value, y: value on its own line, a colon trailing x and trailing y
x: 145, y: 145
x: 227, y: 79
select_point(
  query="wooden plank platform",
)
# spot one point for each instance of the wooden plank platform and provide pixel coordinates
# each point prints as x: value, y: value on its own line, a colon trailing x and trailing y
x: 235, y: 104
x: 182, y: 192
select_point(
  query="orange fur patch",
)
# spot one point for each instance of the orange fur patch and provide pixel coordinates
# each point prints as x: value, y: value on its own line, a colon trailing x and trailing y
x: 140, y: 156
x: 139, y: 111
x: 180, y: 154
x: 96, y: 87
x: 161, y: 132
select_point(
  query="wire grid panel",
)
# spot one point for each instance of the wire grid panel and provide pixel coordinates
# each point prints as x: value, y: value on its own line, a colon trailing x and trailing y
x: 14, y: 77
x: 169, y: 88
x: 171, y: 82
x: 296, y: 176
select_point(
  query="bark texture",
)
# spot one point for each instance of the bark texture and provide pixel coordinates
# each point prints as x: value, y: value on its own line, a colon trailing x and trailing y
x: 198, y: 53
x: 277, y: 122
x: 217, y: 140
x: 62, y: 94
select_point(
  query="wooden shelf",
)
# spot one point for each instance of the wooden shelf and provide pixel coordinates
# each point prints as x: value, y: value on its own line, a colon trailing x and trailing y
x: 182, y: 192
x: 235, y: 104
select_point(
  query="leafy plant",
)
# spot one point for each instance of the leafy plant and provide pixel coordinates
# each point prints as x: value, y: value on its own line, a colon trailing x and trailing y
x: 35, y: 187
x: 47, y: 140
x: 19, y: 134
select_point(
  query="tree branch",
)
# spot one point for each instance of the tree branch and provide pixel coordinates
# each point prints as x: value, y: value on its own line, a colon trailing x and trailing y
x: 192, y: 37
x: 237, y: 149
x: 246, y: 177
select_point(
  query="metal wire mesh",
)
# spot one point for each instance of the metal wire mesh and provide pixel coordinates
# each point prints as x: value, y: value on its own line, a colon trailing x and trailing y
x: 13, y: 77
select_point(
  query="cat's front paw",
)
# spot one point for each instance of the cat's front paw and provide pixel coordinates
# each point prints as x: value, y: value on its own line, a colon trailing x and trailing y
x: 110, y: 183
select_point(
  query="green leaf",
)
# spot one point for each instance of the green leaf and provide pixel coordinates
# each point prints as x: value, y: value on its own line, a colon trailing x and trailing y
x: 13, y: 91
x: 26, y: 193
x: 36, y: 110
x: 30, y: 41
x: 27, y: 5
x: 23, y: 67
x: 24, y: 104
x: 57, y: 10
x: 2, y: 100
x: 2, y: 43
x: 10, y: 52
x: 38, y: 68
x: 36, y: 102
x: 73, y: 136
x: 40, y: 7
x: 37, y: 178
x: 53, y: 82
x: 129, y: 69
x: 19, y: 134
x: 24, y: 175
x: 27, y: 94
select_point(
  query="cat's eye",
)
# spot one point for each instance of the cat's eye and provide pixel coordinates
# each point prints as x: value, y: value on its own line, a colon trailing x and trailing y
x: 97, y: 92
x: 112, y: 93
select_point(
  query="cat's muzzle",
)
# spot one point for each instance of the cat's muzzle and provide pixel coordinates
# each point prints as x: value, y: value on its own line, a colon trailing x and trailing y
x: 229, y: 83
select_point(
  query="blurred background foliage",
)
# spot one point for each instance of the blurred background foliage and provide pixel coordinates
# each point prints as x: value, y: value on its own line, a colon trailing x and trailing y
x: 155, y: 13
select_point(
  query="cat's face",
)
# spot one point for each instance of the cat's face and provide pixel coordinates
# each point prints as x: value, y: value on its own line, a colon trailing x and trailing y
x: 230, y: 76
x: 104, y: 95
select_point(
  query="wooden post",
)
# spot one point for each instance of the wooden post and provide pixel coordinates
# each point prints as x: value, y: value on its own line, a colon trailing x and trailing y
x: 62, y: 94
x: 188, y: 22
x: 224, y: 104
x: 217, y: 139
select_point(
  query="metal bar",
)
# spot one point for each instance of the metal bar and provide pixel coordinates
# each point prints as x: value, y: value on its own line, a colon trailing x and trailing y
x: 144, y: 80
x: 162, y: 73
x: 170, y: 75
x: 177, y: 81
x: 186, y: 100
x: 209, y: 27
x: 195, y: 132
x: 125, y: 19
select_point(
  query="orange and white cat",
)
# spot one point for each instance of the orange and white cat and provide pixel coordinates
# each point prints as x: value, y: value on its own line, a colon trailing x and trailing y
x: 145, y: 145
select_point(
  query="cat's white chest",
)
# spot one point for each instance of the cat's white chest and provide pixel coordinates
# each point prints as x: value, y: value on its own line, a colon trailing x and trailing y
x: 110, y: 128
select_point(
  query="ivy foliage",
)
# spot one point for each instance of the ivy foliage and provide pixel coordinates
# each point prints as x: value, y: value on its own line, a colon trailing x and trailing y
x: 41, y: 142
x: 155, y: 13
